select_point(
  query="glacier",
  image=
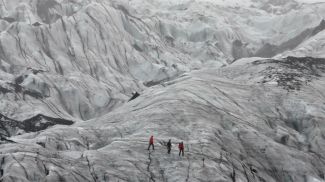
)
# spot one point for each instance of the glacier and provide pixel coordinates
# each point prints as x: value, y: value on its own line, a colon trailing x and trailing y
x: 240, y: 82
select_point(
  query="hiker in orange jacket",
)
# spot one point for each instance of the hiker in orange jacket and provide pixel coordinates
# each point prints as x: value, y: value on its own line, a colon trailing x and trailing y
x: 151, y: 143
x: 181, y: 149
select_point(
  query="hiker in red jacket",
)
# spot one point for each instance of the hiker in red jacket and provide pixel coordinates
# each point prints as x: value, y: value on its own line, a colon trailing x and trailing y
x: 181, y: 149
x: 151, y: 143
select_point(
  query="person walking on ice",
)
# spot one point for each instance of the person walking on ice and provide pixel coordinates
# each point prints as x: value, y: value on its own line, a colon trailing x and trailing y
x: 169, y: 146
x: 151, y: 143
x: 181, y: 149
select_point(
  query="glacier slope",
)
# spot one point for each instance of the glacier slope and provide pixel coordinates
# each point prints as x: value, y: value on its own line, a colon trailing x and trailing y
x: 233, y: 117
x: 86, y: 62
x: 90, y: 55
x: 79, y: 61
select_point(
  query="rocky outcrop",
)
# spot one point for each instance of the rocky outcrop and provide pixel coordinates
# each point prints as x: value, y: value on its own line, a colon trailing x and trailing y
x: 292, y: 73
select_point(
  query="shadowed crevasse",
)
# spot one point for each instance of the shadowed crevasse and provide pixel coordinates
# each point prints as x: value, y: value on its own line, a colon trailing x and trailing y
x: 9, y: 127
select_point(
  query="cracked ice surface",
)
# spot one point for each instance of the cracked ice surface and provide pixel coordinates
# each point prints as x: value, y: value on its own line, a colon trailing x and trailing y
x: 64, y: 62
x: 222, y: 116
x: 92, y: 54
